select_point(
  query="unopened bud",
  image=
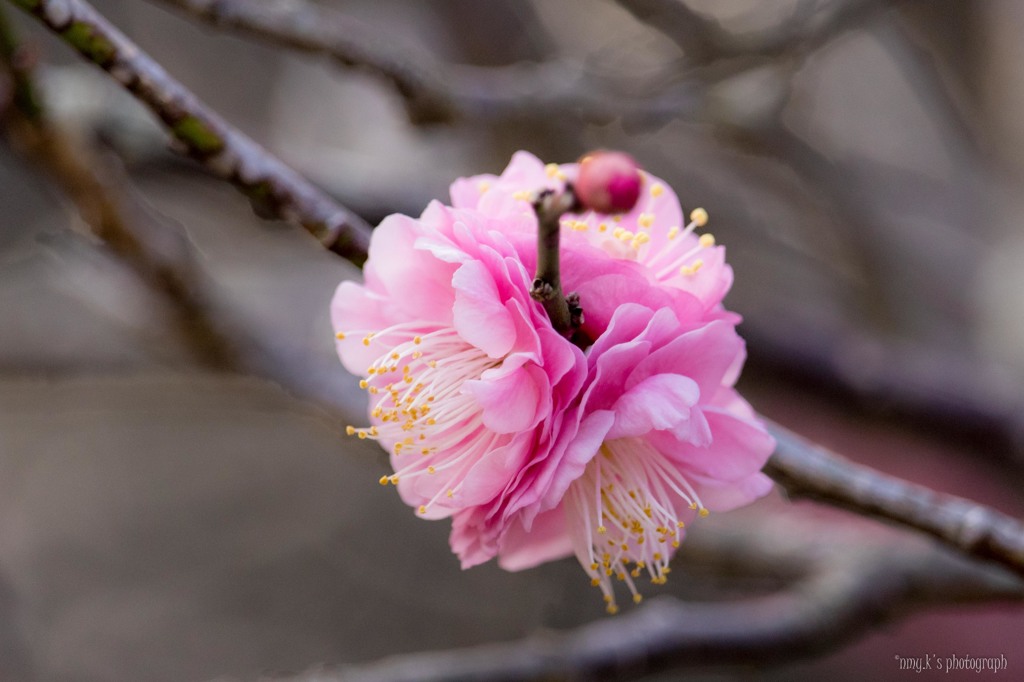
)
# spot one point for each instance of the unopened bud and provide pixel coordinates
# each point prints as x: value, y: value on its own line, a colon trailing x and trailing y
x: 608, y: 182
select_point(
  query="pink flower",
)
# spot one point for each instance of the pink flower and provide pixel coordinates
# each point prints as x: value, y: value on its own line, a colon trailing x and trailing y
x: 537, y: 448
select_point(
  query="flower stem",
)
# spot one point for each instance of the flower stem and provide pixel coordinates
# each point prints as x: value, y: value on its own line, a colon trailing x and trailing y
x: 565, y: 313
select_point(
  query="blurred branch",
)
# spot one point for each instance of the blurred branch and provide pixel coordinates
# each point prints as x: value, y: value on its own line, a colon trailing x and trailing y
x: 703, y: 40
x: 274, y: 188
x: 806, y: 470
x: 847, y: 583
x: 306, y: 27
x: 435, y: 91
x: 162, y: 265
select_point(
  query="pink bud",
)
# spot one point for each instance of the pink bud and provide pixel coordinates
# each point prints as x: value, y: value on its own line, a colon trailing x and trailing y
x: 608, y: 182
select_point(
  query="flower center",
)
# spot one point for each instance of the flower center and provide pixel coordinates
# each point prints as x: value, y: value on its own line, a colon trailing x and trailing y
x: 627, y: 513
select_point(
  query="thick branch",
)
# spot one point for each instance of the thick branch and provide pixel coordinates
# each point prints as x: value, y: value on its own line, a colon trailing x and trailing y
x: 810, y: 471
x: 274, y: 188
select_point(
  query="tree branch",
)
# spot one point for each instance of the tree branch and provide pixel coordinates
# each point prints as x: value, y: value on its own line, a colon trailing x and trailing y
x: 161, y: 260
x: 806, y: 470
x: 274, y: 188
x: 849, y: 582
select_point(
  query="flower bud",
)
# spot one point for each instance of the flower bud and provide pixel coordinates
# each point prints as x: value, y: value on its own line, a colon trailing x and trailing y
x: 608, y: 182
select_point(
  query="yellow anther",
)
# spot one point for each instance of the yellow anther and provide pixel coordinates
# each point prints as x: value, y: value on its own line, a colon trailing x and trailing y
x: 637, y: 598
x: 657, y: 189
x: 362, y: 434
x: 340, y: 336
x: 394, y: 480
x: 680, y: 524
x: 450, y: 494
x: 551, y: 169
x: 383, y: 480
x: 374, y: 431
x: 522, y: 195
x: 640, y: 240
x: 417, y: 340
x: 612, y: 609
x: 432, y: 364
x: 371, y: 371
x: 603, y: 227
x: 602, y: 530
x: 423, y: 509
x: 595, y: 582
x: 607, y: 599
x: 363, y: 384
x: 625, y: 235
x: 704, y: 512
x: 673, y: 231
x: 645, y: 220
x: 395, y: 356
x: 657, y: 556
x: 699, y: 216
x: 691, y: 270
x: 675, y: 544
x: 350, y: 430
x: 693, y: 505
x: 431, y: 470
x: 483, y: 186
x: 707, y: 240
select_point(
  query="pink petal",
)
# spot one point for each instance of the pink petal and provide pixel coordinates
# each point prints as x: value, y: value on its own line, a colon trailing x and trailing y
x: 657, y: 403
x: 514, y: 401
x: 546, y: 540
x: 480, y: 316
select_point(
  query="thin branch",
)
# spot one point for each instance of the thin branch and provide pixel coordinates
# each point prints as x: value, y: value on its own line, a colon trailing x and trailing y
x: 274, y: 188
x: 160, y: 260
x: 806, y: 470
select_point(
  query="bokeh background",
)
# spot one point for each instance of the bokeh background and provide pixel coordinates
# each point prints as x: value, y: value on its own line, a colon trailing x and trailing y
x: 165, y: 519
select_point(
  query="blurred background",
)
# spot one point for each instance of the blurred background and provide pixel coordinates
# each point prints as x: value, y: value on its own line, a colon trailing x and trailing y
x: 172, y: 512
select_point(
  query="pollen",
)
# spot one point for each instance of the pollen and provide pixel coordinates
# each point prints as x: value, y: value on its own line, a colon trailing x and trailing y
x: 645, y: 220
x: 422, y: 509
x: 657, y: 189
x: 692, y: 269
x: 522, y: 195
x: 483, y: 186
x: 340, y: 336
x: 699, y: 216
x: 707, y: 240
x: 383, y: 480
x: 704, y: 512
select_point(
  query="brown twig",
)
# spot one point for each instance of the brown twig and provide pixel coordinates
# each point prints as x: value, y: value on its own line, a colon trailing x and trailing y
x: 165, y: 268
x: 274, y: 188
x: 563, y: 312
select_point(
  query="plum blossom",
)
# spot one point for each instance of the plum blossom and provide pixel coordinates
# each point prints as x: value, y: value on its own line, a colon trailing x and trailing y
x: 605, y: 444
